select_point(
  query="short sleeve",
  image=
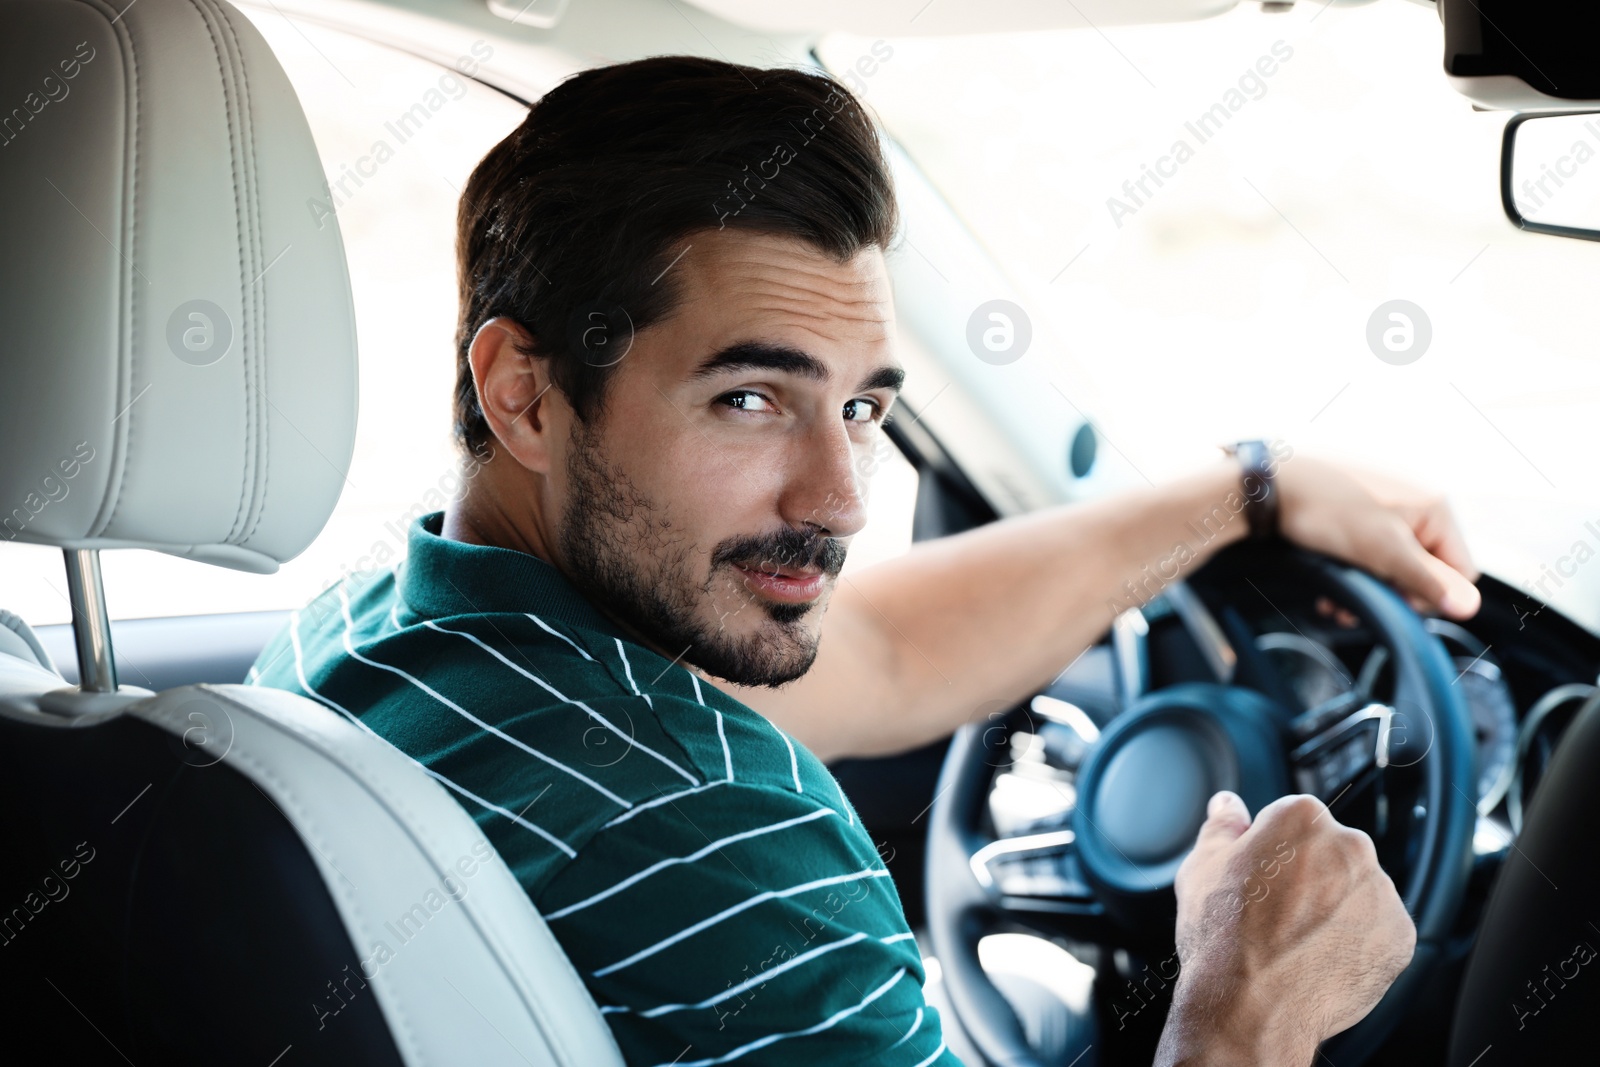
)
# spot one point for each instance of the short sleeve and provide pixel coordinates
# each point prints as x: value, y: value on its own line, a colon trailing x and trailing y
x: 744, y: 924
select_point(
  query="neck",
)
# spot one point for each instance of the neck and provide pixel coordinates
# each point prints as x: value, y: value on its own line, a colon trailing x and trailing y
x: 500, y: 515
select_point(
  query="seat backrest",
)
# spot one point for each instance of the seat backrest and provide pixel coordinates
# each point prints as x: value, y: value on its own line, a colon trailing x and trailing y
x: 218, y: 873
x: 140, y: 877
x: 1531, y: 991
x: 212, y: 873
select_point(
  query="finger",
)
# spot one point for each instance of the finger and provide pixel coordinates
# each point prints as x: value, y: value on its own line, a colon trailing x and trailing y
x: 1226, y: 819
x: 1440, y: 535
x: 1419, y: 573
x: 1460, y: 599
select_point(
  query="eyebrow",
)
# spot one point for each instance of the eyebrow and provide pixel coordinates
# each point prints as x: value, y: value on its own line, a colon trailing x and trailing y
x: 759, y: 355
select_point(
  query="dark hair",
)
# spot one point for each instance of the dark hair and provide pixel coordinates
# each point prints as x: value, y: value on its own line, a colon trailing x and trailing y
x: 571, y: 220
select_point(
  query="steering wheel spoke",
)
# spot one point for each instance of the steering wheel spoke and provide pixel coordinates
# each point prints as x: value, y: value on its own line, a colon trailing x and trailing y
x: 1037, y: 880
x: 1341, y: 742
x: 1032, y: 867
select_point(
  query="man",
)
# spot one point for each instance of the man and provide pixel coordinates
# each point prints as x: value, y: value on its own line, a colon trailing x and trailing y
x: 676, y: 344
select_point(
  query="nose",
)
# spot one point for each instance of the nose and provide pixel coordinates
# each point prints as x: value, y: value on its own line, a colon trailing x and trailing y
x: 826, y: 489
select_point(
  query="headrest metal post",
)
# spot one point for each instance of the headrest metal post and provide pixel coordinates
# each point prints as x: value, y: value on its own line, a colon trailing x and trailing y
x: 91, y: 624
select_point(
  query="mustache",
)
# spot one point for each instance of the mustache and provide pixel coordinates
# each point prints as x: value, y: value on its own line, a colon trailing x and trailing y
x: 783, y: 550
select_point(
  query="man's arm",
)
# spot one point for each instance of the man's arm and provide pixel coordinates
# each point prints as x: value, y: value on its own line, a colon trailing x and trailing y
x: 914, y: 647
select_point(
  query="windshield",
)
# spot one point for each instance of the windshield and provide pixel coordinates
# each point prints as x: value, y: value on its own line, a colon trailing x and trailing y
x: 1213, y: 223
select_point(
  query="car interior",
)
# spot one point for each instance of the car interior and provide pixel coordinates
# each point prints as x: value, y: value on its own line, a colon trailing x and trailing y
x: 196, y: 215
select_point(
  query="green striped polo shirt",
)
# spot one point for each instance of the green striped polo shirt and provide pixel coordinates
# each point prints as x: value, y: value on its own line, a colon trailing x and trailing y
x: 701, y: 869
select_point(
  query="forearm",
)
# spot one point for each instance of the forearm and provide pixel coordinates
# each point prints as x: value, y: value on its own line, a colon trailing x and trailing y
x: 916, y: 646
x: 1223, y: 1024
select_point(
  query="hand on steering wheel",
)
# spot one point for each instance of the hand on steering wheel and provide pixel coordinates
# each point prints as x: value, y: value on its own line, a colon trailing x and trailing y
x: 1257, y: 901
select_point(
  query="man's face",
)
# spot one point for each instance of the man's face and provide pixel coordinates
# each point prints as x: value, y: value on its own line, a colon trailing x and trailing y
x: 709, y: 506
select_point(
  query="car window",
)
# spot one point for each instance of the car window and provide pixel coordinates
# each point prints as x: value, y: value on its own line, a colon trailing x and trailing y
x: 398, y: 136
x: 1215, y: 224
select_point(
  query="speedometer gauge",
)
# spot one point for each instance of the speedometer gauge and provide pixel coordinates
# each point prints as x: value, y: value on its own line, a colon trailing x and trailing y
x: 1494, y: 713
x: 1494, y: 722
x: 1488, y: 700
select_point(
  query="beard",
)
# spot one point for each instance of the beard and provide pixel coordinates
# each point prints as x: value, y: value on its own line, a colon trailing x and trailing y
x: 624, y: 555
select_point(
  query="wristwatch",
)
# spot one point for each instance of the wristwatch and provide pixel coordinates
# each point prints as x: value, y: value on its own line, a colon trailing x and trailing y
x: 1257, y: 480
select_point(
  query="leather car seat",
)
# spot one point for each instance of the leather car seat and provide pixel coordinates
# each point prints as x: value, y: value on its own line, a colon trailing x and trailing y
x: 1531, y: 991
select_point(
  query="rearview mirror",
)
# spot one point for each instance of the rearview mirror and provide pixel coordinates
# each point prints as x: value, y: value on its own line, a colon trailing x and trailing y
x: 1549, y: 180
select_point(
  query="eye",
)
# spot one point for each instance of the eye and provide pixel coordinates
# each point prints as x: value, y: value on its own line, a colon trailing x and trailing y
x: 746, y: 400
x: 861, y: 410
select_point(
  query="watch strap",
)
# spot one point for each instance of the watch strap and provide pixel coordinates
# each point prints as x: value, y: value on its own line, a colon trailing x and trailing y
x: 1258, y: 482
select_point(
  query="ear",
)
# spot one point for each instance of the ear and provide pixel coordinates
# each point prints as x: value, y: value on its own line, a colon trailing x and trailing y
x: 516, y: 393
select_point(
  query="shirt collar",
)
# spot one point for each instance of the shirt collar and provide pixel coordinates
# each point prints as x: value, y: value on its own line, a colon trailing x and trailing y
x: 441, y: 577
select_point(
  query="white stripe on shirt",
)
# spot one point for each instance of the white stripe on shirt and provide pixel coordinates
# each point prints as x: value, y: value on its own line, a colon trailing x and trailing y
x: 627, y: 669
x: 794, y: 764
x: 553, y: 691
x: 826, y: 1024
x: 915, y: 1022
x: 668, y: 798
x: 555, y: 633
x: 727, y: 754
x: 698, y: 854
x: 300, y: 672
x: 745, y: 905
x: 759, y: 979
x: 764, y: 977
x: 350, y: 647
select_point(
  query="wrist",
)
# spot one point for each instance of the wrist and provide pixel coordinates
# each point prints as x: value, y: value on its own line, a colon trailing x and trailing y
x: 1222, y: 1023
x: 1214, y: 509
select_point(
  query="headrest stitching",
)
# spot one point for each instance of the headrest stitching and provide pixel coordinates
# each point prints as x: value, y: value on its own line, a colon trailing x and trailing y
x: 112, y: 501
x: 230, y: 92
x: 259, y: 365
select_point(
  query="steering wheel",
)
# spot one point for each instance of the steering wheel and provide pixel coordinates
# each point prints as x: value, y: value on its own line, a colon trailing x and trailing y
x: 1142, y: 787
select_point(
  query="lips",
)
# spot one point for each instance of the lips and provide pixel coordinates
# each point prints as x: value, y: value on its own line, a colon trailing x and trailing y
x: 787, y: 569
x: 794, y: 585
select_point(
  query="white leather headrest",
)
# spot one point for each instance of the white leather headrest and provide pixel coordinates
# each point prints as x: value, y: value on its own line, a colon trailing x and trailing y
x: 177, y: 345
